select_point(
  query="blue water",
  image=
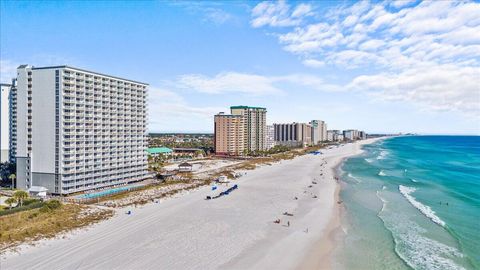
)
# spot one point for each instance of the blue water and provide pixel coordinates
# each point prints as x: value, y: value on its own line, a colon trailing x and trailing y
x: 413, y: 203
x: 103, y: 193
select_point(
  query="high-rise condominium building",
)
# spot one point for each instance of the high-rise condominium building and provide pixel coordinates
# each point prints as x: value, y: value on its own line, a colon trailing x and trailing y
x: 319, y: 131
x: 293, y: 135
x: 270, y: 137
x: 255, y: 126
x: 350, y: 134
x: 362, y: 135
x: 229, y: 135
x: 242, y: 131
x: 5, y: 111
x: 334, y: 135
x: 78, y: 130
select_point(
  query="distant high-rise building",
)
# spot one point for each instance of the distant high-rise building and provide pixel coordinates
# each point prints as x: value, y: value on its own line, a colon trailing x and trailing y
x: 255, y: 126
x: 319, y: 131
x: 229, y: 137
x: 350, y: 134
x: 5, y: 115
x: 270, y: 137
x: 330, y: 135
x: 334, y: 135
x: 293, y: 135
x: 362, y: 135
x: 77, y: 130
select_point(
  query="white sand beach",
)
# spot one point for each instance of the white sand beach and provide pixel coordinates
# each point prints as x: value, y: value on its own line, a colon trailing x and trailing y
x: 236, y: 231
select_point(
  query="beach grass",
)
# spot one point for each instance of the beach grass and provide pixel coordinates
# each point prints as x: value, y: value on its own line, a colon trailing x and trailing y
x: 46, y: 222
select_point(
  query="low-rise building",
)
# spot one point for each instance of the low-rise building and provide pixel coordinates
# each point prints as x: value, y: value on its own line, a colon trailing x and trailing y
x: 160, y: 151
x: 185, y: 167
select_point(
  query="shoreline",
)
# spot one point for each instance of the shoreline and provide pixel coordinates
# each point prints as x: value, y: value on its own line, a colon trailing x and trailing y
x: 321, y: 255
x: 234, y: 232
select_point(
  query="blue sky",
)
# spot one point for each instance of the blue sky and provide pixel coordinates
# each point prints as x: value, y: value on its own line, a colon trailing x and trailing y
x: 404, y: 66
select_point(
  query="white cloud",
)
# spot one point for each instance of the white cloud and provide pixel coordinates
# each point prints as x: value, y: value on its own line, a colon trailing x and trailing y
x: 278, y: 14
x: 167, y: 109
x: 229, y: 82
x: 302, y: 10
x: 440, y: 88
x: 209, y: 11
x: 433, y: 45
x: 217, y: 16
x: 402, y: 3
x: 313, y: 63
x: 252, y: 84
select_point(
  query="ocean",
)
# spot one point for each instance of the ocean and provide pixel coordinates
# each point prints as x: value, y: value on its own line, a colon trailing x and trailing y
x: 412, y: 202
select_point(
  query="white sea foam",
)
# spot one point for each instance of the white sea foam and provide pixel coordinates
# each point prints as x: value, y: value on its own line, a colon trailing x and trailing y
x: 382, y: 154
x: 354, y: 178
x: 382, y: 173
x: 414, y: 180
x: 369, y: 160
x: 420, y: 252
x: 425, y: 209
x: 384, y: 201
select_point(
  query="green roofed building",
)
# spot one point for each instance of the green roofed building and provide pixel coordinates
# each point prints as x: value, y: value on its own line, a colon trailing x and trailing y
x: 242, y: 131
x: 159, y: 151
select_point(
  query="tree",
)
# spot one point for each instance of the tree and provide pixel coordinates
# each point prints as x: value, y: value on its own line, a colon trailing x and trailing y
x: 10, y: 201
x: 12, y: 178
x: 20, y: 195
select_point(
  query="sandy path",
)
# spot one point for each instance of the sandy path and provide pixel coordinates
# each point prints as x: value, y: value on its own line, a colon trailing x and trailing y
x: 188, y: 232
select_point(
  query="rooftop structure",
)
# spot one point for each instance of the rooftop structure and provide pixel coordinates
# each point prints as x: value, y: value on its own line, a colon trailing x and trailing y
x: 159, y: 150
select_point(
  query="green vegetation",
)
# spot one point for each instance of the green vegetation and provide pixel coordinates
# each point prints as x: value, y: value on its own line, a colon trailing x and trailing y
x: 274, y: 150
x: 12, y: 178
x: 33, y: 204
x: 10, y: 201
x: 51, y: 219
x: 20, y: 196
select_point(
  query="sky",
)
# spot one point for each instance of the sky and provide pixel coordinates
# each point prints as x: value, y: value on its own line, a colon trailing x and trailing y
x: 382, y: 66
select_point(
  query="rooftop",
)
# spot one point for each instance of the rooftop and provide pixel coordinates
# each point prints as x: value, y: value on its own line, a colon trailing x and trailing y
x: 159, y: 150
x: 83, y: 70
x: 246, y: 107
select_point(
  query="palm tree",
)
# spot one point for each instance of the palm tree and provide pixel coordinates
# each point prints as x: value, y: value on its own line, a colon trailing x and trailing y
x: 20, y: 195
x: 12, y: 177
x: 10, y: 201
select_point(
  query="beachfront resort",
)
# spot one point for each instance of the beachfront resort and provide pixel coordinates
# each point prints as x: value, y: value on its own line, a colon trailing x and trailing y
x: 78, y: 149
x: 190, y: 135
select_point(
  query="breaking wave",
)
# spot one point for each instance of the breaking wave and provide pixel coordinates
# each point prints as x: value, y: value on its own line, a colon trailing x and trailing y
x: 382, y: 154
x: 425, y: 209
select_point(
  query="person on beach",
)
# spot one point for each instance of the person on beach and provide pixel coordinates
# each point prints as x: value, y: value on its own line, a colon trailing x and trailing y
x: 288, y: 223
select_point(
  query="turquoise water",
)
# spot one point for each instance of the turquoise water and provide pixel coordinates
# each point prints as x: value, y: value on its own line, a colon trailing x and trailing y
x: 412, y: 203
x: 104, y: 193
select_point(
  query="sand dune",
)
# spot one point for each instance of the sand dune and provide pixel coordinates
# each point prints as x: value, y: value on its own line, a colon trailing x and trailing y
x: 232, y: 232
